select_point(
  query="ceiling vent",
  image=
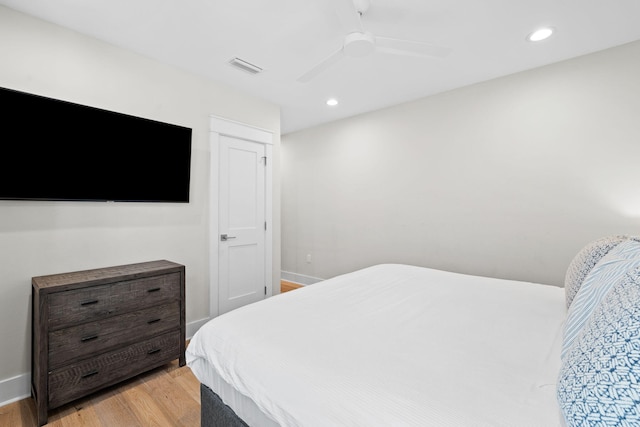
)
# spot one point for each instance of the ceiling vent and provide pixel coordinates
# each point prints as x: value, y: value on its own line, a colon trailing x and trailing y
x: 245, y: 66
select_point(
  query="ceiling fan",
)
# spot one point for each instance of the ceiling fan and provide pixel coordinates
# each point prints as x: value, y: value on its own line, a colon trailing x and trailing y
x: 359, y: 42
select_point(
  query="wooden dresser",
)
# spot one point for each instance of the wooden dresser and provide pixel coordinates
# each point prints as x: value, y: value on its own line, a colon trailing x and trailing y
x: 94, y: 328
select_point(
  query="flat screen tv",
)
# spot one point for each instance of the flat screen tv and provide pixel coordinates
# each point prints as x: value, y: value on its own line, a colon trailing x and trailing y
x: 58, y: 150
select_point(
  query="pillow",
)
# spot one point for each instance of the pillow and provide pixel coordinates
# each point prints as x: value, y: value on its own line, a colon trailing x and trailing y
x: 584, y: 261
x: 599, y: 381
x: 608, y: 271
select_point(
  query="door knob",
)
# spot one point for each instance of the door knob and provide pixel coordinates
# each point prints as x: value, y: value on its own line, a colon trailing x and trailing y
x: 224, y: 237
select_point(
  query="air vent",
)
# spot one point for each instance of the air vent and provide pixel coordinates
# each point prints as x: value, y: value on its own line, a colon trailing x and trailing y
x: 245, y: 66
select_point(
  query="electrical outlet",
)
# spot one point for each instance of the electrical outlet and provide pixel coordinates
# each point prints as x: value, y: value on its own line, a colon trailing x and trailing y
x: 308, y: 258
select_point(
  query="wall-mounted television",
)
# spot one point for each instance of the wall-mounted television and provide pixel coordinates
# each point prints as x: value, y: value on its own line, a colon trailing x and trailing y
x: 58, y: 150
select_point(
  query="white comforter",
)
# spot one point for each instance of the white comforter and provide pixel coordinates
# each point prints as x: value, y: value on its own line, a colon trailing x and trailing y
x: 394, y: 345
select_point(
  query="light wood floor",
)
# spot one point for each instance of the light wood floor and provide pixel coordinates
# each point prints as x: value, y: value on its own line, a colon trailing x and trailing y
x: 165, y: 397
x: 288, y: 286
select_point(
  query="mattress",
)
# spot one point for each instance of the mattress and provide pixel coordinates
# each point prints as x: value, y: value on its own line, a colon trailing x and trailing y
x: 390, y: 345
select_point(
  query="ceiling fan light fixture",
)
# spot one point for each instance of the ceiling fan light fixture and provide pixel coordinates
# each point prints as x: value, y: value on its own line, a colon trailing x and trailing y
x: 540, y: 34
x: 359, y: 44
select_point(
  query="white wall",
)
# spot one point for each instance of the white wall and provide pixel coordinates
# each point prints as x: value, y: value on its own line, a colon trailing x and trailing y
x: 507, y: 178
x: 38, y: 238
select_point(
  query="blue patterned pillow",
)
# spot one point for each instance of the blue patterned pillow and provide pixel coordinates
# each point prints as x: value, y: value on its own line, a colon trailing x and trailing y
x: 584, y: 261
x: 608, y: 271
x: 599, y: 380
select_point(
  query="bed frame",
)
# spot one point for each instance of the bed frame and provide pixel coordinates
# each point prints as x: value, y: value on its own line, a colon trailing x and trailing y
x: 214, y: 413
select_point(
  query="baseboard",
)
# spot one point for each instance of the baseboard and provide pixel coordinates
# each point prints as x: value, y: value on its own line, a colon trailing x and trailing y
x: 300, y: 279
x: 19, y: 387
x: 14, y: 389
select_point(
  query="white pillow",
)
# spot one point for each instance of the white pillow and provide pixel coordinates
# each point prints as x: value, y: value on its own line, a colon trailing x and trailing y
x: 608, y: 271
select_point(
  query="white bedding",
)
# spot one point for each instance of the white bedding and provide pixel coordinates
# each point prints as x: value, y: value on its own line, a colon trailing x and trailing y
x: 392, y: 345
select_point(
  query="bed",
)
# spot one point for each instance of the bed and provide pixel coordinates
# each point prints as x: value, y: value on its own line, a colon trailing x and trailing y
x: 400, y: 345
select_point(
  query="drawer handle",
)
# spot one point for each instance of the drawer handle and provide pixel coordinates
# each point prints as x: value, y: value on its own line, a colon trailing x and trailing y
x: 154, y: 351
x: 153, y: 321
x: 91, y: 302
x: 153, y: 290
x: 90, y: 374
x: 89, y: 338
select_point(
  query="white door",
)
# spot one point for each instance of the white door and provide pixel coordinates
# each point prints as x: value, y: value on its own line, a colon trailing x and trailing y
x: 241, y: 222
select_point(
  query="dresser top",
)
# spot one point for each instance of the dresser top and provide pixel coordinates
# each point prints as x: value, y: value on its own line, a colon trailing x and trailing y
x: 105, y: 275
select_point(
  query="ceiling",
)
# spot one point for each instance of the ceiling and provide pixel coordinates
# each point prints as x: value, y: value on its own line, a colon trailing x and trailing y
x: 286, y: 38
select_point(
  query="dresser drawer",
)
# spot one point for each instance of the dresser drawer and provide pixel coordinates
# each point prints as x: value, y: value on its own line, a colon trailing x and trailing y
x: 96, y: 302
x: 82, y: 378
x: 78, y: 342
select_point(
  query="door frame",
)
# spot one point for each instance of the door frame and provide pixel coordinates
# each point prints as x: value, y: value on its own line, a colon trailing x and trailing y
x: 220, y: 126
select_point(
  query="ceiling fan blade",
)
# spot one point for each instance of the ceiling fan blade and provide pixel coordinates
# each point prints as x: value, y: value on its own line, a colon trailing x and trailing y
x: 410, y: 48
x: 322, y: 66
x: 348, y: 15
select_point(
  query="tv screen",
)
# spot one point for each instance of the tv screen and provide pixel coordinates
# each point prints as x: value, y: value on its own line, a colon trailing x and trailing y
x: 58, y: 150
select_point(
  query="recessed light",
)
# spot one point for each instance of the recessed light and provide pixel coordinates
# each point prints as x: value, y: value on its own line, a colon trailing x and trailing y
x: 540, y: 34
x: 332, y: 102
